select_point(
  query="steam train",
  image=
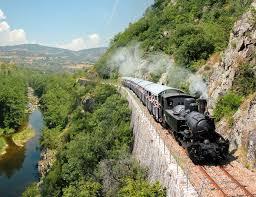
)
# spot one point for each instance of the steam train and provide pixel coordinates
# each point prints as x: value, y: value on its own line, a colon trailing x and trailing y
x: 186, y: 117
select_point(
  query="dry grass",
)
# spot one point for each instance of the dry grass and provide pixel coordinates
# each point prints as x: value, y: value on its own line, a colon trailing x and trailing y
x: 215, y: 58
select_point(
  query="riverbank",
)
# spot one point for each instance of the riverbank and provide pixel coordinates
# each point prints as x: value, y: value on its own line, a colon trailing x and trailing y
x: 33, y: 100
x: 3, y: 146
x: 23, y: 136
x: 20, y: 138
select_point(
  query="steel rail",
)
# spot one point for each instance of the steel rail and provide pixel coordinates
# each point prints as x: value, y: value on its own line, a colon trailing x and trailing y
x: 212, y: 181
x: 235, y: 181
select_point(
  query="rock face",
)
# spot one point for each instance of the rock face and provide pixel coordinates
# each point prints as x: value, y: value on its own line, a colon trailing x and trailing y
x: 88, y: 103
x: 241, y: 49
x: 242, y: 135
x: 46, y: 161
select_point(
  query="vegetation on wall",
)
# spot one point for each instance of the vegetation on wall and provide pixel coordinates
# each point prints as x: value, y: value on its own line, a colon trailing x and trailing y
x: 243, y: 85
x: 226, y: 106
x: 189, y: 30
x: 245, y: 80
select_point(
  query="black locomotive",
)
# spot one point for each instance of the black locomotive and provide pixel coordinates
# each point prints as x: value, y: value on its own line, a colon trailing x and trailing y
x: 186, y: 117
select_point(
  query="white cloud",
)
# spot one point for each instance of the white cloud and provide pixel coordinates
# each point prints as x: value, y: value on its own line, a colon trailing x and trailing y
x: 75, y: 44
x: 80, y: 43
x: 18, y: 36
x: 4, y: 26
x: 93, y: 41
x: 2, y: 16
x: 9, y: 36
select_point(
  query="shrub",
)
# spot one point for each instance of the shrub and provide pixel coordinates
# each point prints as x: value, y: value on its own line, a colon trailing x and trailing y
x: 245, y: 80
x: 193, y: 48
x: 88, y: 188
x: 137, y: 188
x: 2, y: 145
x: 32, y: 191
x: 227, y: 105
x: 13, y: 100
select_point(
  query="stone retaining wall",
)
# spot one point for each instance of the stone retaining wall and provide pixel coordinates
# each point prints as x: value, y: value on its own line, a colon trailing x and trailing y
x: 151, y: 151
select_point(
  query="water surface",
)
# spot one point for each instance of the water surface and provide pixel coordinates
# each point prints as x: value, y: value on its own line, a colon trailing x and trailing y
x: 18, y: 167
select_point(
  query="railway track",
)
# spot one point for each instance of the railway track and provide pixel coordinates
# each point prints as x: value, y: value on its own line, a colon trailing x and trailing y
x: 213, y: 180
x: 222, y: 181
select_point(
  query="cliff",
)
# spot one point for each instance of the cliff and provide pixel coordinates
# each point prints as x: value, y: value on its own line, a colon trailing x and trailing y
x: 240, y: 50
x: 226, y: 76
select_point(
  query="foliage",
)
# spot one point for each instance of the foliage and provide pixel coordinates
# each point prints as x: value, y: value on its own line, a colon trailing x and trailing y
x: 155, y: 77
x: 84, y: 189
x: 193, y: 48
x: 243, y: 85
x: 51, y: 138
x: 227, y: 105
x: 3, y: 145
x: 89, y: 141
x: 56, y: 97
x: 245, y: 80
x: 114, y: 172
x: 32, y: 191
x: 138, y: 188
x: 13, y: 98
x: 190, y: 30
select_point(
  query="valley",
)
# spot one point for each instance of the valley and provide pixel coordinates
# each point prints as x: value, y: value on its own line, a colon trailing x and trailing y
x: 156, y: 104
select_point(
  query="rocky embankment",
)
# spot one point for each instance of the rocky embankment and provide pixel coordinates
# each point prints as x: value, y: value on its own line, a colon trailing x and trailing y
x: 33, y: 100
x: 241, y: 50
x: 47, y: 158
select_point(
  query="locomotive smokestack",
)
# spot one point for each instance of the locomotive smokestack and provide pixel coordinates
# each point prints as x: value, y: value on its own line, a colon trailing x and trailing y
x: 202, y: 103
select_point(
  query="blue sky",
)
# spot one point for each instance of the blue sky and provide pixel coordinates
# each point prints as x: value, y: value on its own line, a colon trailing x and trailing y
x: 73, y: 24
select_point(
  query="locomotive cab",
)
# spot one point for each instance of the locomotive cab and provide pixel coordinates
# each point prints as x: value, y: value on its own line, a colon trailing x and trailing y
x: 174, y: 106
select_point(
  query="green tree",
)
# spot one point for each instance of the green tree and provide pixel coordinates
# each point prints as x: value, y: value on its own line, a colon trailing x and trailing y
x: 140, y: 188
x: 32, y: 191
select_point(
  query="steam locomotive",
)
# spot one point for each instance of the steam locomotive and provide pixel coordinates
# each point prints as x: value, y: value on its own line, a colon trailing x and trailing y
x: 186, y: 117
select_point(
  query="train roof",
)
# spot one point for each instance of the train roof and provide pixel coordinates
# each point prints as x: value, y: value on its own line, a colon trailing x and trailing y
x: 144, y: 83
x: 174, y: 94
x: 154, y: 88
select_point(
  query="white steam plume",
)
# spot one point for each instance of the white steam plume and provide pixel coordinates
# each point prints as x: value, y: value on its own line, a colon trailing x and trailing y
x: 132, y: 61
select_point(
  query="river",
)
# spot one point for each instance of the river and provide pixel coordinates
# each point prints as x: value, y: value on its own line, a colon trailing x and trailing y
x: 18, y: 167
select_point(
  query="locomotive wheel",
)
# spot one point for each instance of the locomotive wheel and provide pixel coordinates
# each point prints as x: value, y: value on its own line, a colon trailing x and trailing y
x: 164, y: 125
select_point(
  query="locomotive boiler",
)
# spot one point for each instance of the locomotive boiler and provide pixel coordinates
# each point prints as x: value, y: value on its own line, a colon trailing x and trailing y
x: 186, y: 118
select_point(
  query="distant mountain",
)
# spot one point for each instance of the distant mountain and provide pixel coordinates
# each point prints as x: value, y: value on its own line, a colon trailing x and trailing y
x: 43, y: 57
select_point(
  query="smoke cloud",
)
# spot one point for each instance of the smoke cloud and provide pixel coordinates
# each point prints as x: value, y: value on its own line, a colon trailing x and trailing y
x: 132, y: 61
